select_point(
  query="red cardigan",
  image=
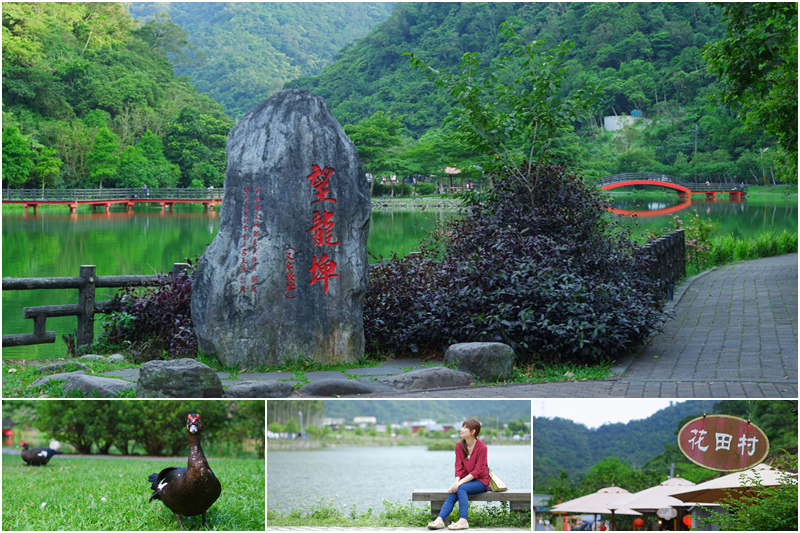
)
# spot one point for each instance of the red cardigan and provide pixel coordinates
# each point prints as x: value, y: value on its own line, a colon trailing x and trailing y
x: 475, y: 464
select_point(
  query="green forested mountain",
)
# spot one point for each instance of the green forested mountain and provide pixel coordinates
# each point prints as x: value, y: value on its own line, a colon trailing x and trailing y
x: 649, y: 444
x: 91, y: 100
x: 83, y: 83
x: 248, y: 50
x: 91, y: 97
x: 646, y: 57
x: 392, y: 412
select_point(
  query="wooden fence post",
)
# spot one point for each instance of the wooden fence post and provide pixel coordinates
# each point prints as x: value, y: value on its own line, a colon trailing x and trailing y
x: 179, y: 269
x: 86, y: 306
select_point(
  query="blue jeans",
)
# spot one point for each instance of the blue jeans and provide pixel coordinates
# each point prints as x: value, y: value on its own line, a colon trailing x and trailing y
x: 470, y: 487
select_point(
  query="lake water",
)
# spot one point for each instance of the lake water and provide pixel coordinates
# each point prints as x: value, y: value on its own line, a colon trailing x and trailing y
x: 365, y: 477
x: 55, y: 244
x: 740, y: 219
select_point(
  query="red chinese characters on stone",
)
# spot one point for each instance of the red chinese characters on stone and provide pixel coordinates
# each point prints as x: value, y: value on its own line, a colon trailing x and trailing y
x: 256, y: 233
x: 291, y: 281
x: 323, y: 269
x: 245, y: 236
x: 320, y: 178
x: 322, y: 229
x: 249, y: 251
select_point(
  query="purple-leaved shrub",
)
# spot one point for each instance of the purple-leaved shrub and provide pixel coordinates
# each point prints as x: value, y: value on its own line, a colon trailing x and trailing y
x: 546, y: 273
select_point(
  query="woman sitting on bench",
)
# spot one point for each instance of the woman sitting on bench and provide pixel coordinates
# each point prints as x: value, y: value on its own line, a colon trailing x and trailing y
x: 472, y: 475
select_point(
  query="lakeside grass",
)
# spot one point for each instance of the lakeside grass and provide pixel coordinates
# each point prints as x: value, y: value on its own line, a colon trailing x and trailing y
x: 105, y: 493
x: 413, y: 514
x: 730, y: 249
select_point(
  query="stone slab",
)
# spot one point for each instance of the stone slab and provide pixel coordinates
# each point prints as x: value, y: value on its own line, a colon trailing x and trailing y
x: 256, y: 376
x: 337, y: 387
x: 372, y: 371
x: 325, y: 374
x: 126, y: 373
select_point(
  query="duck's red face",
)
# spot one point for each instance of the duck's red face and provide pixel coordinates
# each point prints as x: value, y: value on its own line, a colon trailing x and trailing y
x: 193, y: 423
x: 22, y: 444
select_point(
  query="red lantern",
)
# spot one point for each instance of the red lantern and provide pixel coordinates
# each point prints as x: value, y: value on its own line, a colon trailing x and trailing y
x: 638, y: 522
x: 687, y: 520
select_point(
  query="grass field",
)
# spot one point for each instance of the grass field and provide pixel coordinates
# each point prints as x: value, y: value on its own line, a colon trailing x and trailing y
x: 106, y: 493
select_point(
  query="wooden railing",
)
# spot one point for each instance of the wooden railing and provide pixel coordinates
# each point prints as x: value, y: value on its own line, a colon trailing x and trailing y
x: 85, y: 309
x: 649, y: 176
x: 99, y: 195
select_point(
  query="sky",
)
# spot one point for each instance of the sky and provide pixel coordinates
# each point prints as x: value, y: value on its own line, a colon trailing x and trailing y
x: 594, y: 413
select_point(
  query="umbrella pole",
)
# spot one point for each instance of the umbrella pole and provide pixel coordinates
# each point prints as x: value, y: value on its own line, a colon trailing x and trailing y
x: 613, y: 523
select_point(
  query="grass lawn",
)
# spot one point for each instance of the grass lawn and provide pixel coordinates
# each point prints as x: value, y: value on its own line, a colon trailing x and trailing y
x: 107, y: 493
x: 412, y: 514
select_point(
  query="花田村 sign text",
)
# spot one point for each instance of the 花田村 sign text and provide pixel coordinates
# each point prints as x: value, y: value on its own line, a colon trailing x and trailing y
x: 723, y: 442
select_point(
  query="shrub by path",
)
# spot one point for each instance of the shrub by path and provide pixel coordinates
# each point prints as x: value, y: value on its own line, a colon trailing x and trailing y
x: 733, y: 334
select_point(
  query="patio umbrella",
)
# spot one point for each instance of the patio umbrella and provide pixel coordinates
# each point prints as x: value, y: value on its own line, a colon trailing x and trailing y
x: 654, y: 498
x: 596, y: 503
x: 734, y: 486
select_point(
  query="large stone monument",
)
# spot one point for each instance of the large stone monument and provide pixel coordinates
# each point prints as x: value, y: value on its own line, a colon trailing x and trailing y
x: 286, y: 275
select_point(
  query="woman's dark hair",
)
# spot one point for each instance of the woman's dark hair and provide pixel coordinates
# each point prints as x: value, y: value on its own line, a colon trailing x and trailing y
x: 470, y: 423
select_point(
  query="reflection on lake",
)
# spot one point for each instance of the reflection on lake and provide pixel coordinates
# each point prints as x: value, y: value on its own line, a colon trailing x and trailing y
x: 365, y: 477
x: 741, y: 219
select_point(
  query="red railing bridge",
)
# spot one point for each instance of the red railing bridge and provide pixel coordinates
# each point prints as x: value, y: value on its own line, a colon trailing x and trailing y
x: 736, y: 191
x: 104, y: 198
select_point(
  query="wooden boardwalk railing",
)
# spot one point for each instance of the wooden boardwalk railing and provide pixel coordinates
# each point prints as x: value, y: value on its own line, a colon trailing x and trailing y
x: 85, y: 309
x: 165, y: 197
x: 101, y: 195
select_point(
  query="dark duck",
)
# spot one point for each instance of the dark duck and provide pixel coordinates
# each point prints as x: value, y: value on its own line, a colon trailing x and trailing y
x: 192, y: 490
x: 36, y: 456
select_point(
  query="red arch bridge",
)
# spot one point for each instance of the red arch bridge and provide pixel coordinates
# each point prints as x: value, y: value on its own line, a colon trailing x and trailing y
x: 685, y: 189
x: 104, y: 198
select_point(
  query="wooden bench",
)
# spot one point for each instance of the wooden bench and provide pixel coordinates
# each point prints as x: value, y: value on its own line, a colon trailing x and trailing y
x: 518, y: 499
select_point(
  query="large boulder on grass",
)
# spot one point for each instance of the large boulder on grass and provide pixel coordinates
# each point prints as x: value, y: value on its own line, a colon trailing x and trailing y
x: 179, y: 378
x: 489, y: 361
x: 286, y: 275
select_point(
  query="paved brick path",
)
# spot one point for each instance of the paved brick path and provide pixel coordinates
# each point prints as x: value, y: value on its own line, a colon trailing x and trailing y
x: 733, y: 335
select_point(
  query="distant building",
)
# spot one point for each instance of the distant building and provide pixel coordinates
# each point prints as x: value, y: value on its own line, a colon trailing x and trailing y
x: 617, y: 122
x: 364, y: 420
x: 430, y: 425
x: 333, y: 423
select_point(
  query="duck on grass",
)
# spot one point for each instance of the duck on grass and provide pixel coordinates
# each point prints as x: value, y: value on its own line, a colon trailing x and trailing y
x: 88, y: 489
x: 190, y: 490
